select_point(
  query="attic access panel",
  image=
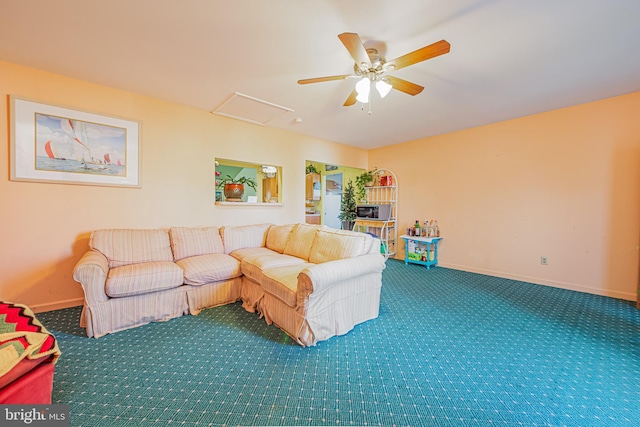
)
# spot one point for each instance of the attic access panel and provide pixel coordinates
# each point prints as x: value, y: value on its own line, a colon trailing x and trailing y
x: 249, y: 109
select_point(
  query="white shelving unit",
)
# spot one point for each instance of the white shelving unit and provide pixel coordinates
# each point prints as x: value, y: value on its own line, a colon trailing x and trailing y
x: 380, y: 194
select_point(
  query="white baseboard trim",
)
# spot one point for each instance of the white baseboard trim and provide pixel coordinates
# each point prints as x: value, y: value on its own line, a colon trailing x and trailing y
x: 538, y: 281
x: 58, y: 305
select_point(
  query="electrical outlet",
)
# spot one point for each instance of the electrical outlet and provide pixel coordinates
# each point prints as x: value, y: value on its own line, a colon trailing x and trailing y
x: 544, y: 260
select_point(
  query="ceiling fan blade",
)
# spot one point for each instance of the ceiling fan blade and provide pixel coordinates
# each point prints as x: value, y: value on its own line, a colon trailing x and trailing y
x: 355, y: 47
x: 422, y: 54
x: 404, y: 86
x: 323, y: 79
x: 351, y: 99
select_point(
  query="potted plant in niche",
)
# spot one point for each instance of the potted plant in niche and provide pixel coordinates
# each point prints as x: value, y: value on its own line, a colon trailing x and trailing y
x: 348, y: 207
x: 365, y: 179
x: 311, y: 168
x: 234, y: 187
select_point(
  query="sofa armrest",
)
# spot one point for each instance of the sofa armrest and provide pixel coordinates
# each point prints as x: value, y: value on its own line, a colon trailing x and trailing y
x: 320, y: 277
x: 91, y: 272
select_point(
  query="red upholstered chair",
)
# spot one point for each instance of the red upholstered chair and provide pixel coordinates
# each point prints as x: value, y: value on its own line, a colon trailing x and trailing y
x: 28, y: 353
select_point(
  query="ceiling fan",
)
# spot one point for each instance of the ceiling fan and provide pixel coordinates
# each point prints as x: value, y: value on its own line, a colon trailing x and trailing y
x: 372, y: 68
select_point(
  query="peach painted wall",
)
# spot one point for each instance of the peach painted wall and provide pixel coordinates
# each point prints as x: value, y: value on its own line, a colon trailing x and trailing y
x: 45, y: 227
x: 563, y: 184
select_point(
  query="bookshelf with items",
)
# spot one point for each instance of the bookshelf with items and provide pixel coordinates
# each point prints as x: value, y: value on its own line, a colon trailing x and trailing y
x: 384, y: 191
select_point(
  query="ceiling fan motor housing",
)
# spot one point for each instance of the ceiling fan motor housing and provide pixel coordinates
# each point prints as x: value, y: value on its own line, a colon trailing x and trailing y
x: 376, y: 68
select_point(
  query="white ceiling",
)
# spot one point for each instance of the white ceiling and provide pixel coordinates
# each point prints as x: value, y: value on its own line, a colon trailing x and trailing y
x: 509, y: 58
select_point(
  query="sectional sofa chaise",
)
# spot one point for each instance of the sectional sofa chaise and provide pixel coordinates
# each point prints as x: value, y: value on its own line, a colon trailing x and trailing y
x: 311, y: 281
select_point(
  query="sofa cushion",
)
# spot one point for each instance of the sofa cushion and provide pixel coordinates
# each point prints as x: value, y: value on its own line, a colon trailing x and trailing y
x: 301, y: 239
x: 209, y: 268
x: 278, y: 236
x: 250, y: 253
x: 331, y: 245
x: 247, y: 236
x: 142, y: 278
x: 282, y: 282
x: 265, y: 258
x: 273, y: 260
x: 187, y: 241
x: 123, y: 246
x: 254, y: 260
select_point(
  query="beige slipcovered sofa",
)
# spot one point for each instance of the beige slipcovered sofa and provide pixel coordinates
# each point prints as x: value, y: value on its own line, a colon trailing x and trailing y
x: 312, y: 281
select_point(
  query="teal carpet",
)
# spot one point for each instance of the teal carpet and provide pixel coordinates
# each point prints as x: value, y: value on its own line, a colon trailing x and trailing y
x: 449, y: 348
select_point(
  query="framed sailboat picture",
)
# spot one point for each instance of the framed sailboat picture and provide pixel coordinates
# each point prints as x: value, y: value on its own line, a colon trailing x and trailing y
x: 56, y: 144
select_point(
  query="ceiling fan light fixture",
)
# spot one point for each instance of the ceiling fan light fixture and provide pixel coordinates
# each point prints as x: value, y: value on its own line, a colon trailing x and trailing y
x: 363, y: 98
x: 383, y: 88
x: 363, y: 87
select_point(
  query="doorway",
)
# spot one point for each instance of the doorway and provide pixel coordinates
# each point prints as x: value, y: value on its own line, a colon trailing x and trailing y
x: 332, y: 200
x: 330, y: 181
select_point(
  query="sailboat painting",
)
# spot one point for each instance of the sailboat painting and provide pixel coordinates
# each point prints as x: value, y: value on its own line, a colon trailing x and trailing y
x: 68, y: 145
x: 57, y: 144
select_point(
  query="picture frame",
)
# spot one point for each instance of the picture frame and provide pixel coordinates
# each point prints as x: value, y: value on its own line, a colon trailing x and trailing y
x: 55, y: 144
